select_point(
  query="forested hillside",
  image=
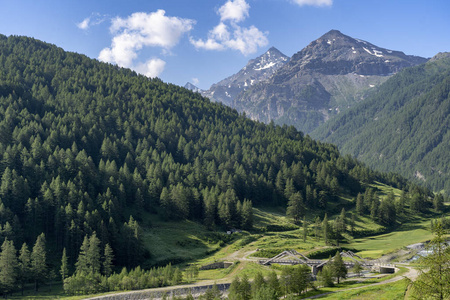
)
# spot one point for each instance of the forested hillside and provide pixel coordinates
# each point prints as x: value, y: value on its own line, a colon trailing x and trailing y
x: 403, y: 127
x: 89, y: 147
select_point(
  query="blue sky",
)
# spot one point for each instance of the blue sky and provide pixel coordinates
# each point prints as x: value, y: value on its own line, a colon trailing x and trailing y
x: 204, y: 41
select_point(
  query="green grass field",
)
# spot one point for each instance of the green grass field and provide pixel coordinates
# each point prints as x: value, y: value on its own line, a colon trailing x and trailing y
x: 389, y: 291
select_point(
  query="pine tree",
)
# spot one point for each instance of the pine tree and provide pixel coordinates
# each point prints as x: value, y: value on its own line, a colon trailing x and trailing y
x: 234, y: 290
x: 338, y: 267
x: 305, y: 229
x: 317, y: 228
x: 295, y: 207
x: 82, y: 265
x: 93, y: 255
x: 39, y: 261
x: 325, y: 229
x: 434, y: 273
x: 8, y: 267
x: 64, y: 270
x: 24, y: 266
x: 360, y: 204
x: 257, y: 283
x: 274, y: 283
x: 247, y: 215
x: 245, y: 290
x: 108, y: 260
x: 325, y: 277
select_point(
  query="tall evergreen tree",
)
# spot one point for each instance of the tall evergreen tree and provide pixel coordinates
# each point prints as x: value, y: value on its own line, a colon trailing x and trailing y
x: 93, y: 254
x: 24, y: 266
x: 305, y: 229
x: 325, y: 229
x: 338, y: 267
x: 39, y: 261
x: 108, y: 258
x: 8, y: 267
x: 82, y: 264
x: 434, y: 273
x: 64, y: 270
x: 295, y: 207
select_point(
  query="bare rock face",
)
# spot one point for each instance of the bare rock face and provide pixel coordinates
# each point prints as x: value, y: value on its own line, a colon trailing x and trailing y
x: 326, y: 77
x: 256, y: 71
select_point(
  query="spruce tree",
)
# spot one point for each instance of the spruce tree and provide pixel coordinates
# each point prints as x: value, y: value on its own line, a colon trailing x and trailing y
x: 258, y: 282
x: 325, y: 229
x: 434, y: 272
x: 64, y: 270
x: 338, y: 267
x: 305, y: 229
x: 360, y: 204
x: 295, y: 207
x: 82, y: 263
x: 93, y: 255
x: 108, y: 260
x: 274, y: 283
x: 39, y: 261
x: 317, y: 228
x: 24, y: 266
x: 8, y: 267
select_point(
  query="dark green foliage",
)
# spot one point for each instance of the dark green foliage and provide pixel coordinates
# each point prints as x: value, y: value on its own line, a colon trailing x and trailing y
x: 87, y: 150
x: 295, y: 207
x: 64, y: 270
x: 8, y: 267
x: 402, y: 127
x: 274, y: 284
x: 327, y: 252
x: 24, y: 268
x: 325, y: 277
x: 108, y: 259
x: 338, y: 267
x: 434, y: 270
x: 296, y: 279
x: 88, y: 282
x: 212, y: 293
x: 85, y: 145
x: 39, y: 261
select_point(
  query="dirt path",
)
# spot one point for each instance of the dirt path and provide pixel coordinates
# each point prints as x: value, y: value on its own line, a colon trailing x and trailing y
x: 411, y: 274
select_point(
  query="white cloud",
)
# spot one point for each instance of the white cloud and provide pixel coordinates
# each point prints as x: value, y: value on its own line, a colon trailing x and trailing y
x: 236, y: 10
x: 152, y: 68
x: 84, y: 24
x: 247, y: 40
x: 221, y: 37
x: 141, y: 30
x: 195, y: 81
x: 94, y: 19
x: 314, y: 2
x: 154, y: 29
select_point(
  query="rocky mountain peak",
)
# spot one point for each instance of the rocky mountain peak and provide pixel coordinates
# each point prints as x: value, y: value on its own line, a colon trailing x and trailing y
x: 257, y: 70
x: 192, y: 87
x: 328, y: 76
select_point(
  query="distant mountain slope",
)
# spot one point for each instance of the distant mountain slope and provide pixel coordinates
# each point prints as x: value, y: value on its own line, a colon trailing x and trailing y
x: 192, y: 87
x: 329, y: 75
x: 256, y: 70
x: 403, y: 127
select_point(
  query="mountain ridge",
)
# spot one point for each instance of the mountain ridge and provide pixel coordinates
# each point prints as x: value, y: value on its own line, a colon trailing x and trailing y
x: 255, y: 71
x: 403, y: 126
x: 326, y: 77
